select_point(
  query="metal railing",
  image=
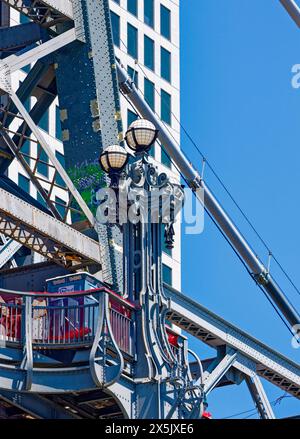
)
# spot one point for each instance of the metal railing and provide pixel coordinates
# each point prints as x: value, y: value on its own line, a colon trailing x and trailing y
x: 10, y: 321
x: 63, y: 323
x: 68, y: 320
x: 123, y: 331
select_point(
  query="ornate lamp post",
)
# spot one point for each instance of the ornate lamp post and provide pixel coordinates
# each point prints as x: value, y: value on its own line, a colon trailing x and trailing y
x: 154, y: 200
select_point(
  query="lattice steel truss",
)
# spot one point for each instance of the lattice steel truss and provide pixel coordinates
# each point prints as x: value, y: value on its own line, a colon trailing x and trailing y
x: 46, y: 13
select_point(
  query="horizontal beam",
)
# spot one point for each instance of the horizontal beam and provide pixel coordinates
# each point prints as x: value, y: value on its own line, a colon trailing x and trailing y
x: 51, y: 11
x: 213, y: 378
x: 44, y: 234
x: 52, y: 157
x: 65, y: 7
x: 215, y: 331
x: 15, y: 37
x: 13, y: 63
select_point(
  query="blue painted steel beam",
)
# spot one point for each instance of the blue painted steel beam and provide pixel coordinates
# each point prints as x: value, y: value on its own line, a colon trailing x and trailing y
x: 14, y: 38
x: 37, y: 112
x: 14, y: 189
x: 37, y: 405
x: 25, y: 90
x: 29, y: 84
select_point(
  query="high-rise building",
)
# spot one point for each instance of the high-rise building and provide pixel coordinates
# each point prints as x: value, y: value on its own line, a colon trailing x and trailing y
x: 147, y: 43
x: 146, y: 38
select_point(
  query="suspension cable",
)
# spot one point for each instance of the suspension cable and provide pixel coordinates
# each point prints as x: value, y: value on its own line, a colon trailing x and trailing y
x: 222, y: 233
x: 273, y: 403
x: 244, y: 215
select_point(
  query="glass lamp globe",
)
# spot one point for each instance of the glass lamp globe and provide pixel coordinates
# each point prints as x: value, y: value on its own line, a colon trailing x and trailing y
x: 141, y: 135
x: 113, y: 159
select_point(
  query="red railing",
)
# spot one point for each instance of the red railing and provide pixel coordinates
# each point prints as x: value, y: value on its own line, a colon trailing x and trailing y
x: 64, y: 320
x: 69, y: 319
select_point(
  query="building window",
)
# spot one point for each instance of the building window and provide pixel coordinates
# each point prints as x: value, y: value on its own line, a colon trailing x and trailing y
x: 165, y: 64
x: 42, y: 166
x: 24, y: 19
x: 60, y: 206
x: 26, y: 69
x: 27, y: 102
x: 58, y: 130
x: 25, y: 150
x: 24, y: 183
x: 132, y: 41
x: 149, y: 93
x: 165, y: 158
x: 117, y: 1
x: 165, y: 22
x: 132, y: 7
x: 167, y: 274
x: 134, y: 75
x: 131, y: 117
x: 152, y: 151
x: 165, y: 111
x: 115, y: 22
x: 149, y: 12
x: 166, y: 250
x: 41, y: 200
x: 61, y: 158
x: 149, y: 52
x: 44, y: 121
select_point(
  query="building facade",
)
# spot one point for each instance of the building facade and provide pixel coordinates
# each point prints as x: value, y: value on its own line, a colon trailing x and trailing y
x: 147, y: 43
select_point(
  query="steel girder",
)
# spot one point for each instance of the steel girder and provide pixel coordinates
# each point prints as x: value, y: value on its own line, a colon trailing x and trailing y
x: 13, y: 63
x: 53, y: 159
x: 41, y: 83
x: 15, y: 38
x: 7, y: 251
x: 37, y: 406
x: 116, y: 402
x: 253, y: 356
x: 46, y: 13
x: 44, y: 234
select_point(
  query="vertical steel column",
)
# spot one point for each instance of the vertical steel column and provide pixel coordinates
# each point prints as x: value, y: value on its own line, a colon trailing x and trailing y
x: 96, y: 16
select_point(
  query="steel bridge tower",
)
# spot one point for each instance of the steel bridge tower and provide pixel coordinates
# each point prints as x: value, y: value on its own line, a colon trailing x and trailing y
x: 89, y: 330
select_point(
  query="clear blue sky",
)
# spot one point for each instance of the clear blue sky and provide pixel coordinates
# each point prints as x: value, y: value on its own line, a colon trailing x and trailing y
x: 240, y: 107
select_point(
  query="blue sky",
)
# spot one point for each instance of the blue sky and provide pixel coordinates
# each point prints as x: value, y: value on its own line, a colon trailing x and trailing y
x: 239, y: 106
